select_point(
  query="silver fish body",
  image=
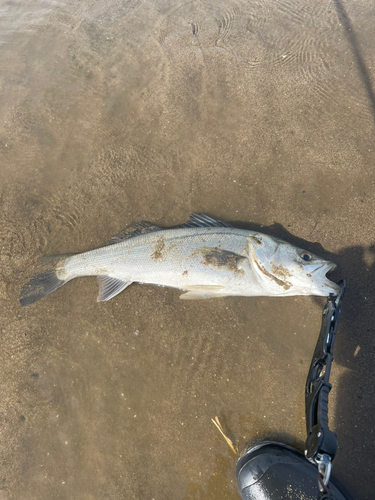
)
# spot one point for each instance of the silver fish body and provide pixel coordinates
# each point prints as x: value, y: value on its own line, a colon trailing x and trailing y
x: 205, y: 258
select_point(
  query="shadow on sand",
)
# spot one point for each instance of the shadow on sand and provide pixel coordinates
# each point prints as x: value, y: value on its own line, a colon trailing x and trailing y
x: 355, y: 350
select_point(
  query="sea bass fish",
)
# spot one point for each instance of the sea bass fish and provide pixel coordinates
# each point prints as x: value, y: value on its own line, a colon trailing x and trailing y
x: 204, y: 257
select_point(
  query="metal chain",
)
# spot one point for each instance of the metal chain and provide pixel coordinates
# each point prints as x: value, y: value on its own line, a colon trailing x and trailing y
x: 324, y: 467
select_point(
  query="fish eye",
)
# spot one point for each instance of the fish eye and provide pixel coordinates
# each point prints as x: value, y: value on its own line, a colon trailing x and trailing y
x: 306, y: 256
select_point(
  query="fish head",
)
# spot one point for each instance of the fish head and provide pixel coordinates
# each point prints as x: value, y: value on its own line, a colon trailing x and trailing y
x: 291, y: 270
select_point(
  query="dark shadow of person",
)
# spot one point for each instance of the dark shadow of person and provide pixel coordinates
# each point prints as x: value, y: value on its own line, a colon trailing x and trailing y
x: 355, y: 46
x: 355, y: 350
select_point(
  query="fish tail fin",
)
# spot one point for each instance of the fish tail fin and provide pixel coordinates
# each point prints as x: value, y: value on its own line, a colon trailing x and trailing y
x: 47, y: 282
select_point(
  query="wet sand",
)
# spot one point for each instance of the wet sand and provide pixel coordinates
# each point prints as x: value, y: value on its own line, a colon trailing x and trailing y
x: 261, y: 114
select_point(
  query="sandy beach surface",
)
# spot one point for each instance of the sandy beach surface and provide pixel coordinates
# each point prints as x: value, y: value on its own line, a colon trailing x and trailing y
x: 258, y: 113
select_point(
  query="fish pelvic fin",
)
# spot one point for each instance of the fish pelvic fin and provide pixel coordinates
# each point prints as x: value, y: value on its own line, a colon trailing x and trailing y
x: 47, y: 282
x: 200, y: 292
x: 110, y: 287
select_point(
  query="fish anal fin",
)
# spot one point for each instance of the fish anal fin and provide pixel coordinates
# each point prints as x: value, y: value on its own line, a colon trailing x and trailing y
x: 134, y: 229
x: 110, y: 287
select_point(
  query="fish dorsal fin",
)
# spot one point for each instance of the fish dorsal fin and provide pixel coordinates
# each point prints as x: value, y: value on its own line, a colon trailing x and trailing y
x: 202, y: 220
x: 110, y: 287
x: 134, y: 229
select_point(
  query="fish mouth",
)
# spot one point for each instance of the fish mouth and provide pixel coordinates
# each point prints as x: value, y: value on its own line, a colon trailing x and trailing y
x: 324, y: 285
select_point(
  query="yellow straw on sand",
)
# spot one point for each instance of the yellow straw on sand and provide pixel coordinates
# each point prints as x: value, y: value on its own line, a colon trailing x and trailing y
x: 229, y: 441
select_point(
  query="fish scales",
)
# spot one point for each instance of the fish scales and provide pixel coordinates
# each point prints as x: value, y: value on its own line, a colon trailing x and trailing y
x: 174, y: 258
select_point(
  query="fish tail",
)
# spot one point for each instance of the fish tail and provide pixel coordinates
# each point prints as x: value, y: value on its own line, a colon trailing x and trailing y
x: 47, y: 282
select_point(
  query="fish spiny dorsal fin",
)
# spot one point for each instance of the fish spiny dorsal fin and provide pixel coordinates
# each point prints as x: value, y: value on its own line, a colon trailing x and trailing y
x: 202, y: 220
x: 110, y: 287
x: 134, y: 229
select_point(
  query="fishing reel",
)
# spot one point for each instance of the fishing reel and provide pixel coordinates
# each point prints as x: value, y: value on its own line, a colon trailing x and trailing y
x: 272, y: 470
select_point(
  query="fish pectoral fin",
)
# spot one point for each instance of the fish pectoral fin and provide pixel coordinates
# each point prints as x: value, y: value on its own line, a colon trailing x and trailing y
x: 110, y: 287
x: 134, y: 229
x: 199, y: 292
